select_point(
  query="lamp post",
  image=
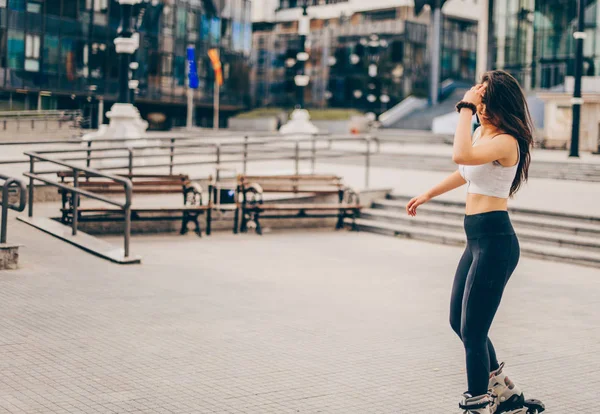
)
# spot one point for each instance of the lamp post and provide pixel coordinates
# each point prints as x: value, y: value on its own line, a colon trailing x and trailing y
x: 577, y: 101
x: 436, y: 29
x: 301, y: 79
x: 125, y: 119
x: 300, y: 118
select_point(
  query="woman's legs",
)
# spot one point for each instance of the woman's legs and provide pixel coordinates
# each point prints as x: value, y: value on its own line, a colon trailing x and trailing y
x: 494, y: 260
x: 456, y: 302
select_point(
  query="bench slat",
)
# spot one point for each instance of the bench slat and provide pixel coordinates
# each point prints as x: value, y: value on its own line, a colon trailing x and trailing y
x: 287, y: 207
x: 139, y: 210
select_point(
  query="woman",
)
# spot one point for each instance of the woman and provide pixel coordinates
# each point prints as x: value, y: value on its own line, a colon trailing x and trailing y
x: 494, y: 164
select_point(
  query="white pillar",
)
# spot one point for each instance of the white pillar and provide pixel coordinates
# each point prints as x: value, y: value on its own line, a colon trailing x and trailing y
x: 482, y: 41
x: 190, y: 108
x: 501, y: 25
x: 100, y: 111
x: 436, y: 49
x: 527, y: 76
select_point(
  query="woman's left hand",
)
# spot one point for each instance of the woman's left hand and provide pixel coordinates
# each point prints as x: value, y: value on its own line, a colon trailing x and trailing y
x: 475, y: 94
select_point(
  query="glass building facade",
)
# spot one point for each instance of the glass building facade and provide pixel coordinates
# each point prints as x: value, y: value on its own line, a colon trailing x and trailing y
x: 533, y: 39
x: 60, y: 54
x: 345, y: 52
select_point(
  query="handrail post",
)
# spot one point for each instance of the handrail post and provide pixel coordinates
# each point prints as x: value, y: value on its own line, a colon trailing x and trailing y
x: 367, y: 163
x: 171, y: 156
x: 314, y: 154
x: 75, y: 197
x: 297, y: 158
x: 130, y: 167
x: 128, y: 196
x: 245, y: 167
x: 88, y: 160
x: 31, y: 171
x: 4, y: 210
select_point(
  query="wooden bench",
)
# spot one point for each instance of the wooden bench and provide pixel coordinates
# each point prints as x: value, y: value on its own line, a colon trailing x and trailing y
x: 191, y: 192
x: 253, y: 206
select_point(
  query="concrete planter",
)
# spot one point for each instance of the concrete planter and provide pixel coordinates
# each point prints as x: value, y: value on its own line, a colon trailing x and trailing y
x: 9, y: 256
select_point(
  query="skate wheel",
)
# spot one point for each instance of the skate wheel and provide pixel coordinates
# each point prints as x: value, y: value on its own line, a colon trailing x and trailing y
x: 535, y: 406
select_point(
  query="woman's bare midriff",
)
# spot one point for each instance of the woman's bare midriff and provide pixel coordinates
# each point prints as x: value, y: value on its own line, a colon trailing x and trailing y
x: 477, y: 204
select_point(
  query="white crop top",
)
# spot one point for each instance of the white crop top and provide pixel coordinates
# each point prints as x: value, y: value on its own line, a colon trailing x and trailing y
x: 492, y: 179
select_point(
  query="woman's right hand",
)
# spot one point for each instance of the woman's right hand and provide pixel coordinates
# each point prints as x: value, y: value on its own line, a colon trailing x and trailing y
x: 411, y: 207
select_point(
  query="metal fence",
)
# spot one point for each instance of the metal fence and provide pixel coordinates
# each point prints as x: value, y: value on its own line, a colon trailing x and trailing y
x: 52, y: 121
x: 172, y: 153
x: 10, y: 182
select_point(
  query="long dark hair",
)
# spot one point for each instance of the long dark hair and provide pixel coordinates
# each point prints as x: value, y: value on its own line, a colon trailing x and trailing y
x: 506, y: 108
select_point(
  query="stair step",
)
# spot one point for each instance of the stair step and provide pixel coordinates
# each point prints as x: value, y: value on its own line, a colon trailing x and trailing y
x: 574, y: 225
x: 525, y: 233
x: 562, y: 254
x: 514, y: 210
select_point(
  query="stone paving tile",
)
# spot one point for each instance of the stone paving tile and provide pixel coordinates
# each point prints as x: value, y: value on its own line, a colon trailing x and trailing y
x: 299, y: 322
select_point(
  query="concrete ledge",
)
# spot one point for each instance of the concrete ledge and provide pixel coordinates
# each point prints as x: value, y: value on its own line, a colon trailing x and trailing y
x: 9, y: 256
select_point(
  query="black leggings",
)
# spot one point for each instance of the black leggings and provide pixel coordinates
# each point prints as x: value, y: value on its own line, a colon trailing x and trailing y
x: 490, y: 258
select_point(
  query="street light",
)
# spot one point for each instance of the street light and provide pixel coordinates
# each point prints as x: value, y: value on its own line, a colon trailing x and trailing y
x: 577, y: 101
x: 302, y: 79
x: 290, y: 62
x: 299, y: 122
x: 125, y: 119
x: 126, y: 44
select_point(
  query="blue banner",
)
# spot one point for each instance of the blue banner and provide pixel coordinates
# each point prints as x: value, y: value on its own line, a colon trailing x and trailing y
x: 192, y: 69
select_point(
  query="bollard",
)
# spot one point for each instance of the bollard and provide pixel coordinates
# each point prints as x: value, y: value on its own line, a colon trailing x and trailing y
x: 130, y: 162
x: 88, y: 160
x: 172, y: 156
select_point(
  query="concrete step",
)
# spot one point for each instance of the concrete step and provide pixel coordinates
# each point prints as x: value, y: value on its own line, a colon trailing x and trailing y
x: 526, y: 233
x: 585, y: 225
x: 573, y: 225
x: 560, y: 254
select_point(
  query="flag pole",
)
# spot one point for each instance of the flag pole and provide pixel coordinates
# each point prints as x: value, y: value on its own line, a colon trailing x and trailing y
x: 217, y: 97
x: 217, y: 104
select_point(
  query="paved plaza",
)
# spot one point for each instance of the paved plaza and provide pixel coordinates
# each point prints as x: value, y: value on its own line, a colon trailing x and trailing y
x: 291, y: 322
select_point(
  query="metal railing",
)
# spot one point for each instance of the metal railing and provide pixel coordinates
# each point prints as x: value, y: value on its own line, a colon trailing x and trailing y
x: 6, y: 205
x: 189, y: 152
x: 41, y: 121
x: 76, y: 192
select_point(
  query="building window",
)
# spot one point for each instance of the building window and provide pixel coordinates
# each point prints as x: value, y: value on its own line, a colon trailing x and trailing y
x: 51, y: 54
x: 34, y: 7
x: 32, y: 53
x: 16, y: 49
x: 181, y: 22
x: 99, y: 5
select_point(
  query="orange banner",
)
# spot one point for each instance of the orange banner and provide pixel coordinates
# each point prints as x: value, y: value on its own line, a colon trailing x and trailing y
x: 213, y: 54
